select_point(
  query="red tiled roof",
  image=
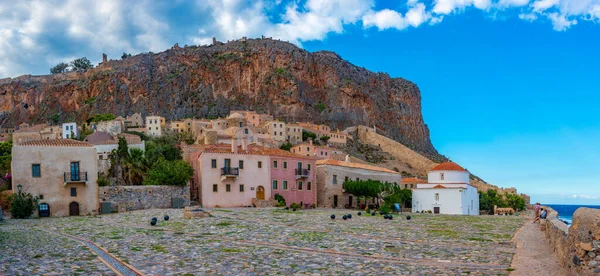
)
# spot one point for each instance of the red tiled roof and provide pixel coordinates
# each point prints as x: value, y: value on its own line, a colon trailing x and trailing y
x: 99, y: 137
x: 448, y: 166
x: 413, y: 180
x: 55, y: 143
x: 354, y: 165
x: 439, y: 186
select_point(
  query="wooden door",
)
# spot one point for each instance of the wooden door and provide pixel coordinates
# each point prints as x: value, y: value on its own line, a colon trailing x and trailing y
x: 436, y: 210
x: 74, y: 209
x: 350, y: 201
x: 260, y: 193
x: 335, y: 198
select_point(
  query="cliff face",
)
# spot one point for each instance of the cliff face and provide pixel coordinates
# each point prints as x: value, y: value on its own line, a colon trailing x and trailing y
x: 263, y: 75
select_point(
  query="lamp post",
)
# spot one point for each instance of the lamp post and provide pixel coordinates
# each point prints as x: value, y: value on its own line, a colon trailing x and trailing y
x: 19, y: 188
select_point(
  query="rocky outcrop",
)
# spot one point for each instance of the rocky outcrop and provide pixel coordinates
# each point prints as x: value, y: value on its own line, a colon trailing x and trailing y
x: 259, y: 74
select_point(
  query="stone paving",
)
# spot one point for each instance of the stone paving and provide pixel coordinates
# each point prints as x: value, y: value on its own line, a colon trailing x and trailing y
x: 248, y: 241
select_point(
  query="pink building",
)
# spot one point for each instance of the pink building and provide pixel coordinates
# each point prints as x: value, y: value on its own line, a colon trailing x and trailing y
x: 228, y: 175
x: 293, y: 177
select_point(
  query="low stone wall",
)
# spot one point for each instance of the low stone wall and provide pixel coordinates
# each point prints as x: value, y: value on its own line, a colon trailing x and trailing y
x: 129, y: 198
x: 577, y: 247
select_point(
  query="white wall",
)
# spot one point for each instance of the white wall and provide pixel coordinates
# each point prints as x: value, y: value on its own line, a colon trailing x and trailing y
x: 449, y: 177
x: 451, y: 201
x: 69, y: 129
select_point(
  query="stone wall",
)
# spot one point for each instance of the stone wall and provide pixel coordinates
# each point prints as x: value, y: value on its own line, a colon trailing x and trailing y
x: 129, y: 198
x: 577, y: 247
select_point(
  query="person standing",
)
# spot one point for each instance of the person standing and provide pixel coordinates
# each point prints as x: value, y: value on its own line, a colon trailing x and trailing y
x: 536, y: 210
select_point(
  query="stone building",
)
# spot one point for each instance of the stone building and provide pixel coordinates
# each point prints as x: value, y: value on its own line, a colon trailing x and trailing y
x: 134, y: 120
x: 61, y: 172
x: 447, y: 191
x: 309, y: 149
x: 105, y: 143
x: 331, y: 175
x: 27, y: 133
x: 338, y: 138
x: 411, y: 182
x: 277, y: 130
x: 294, y: 133
x: 112, y: 127
x: 154, y: 125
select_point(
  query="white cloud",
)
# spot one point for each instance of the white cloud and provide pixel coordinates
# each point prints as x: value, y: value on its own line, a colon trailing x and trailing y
x: 512, y: 3
x: 384, y: 19
x: 417, y: 15
x: 560, y: 21
x: 584, y: 196
x: 528, y: 16
x: 543, y: 5
x: 448, y: 6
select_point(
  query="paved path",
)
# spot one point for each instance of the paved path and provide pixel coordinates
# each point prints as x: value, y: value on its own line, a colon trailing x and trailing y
x: 534, y: 255
x: 109, y: 260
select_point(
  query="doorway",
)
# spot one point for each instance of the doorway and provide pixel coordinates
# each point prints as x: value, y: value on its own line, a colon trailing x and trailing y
x: 436, y: 210
x: 335, y: 201
x: 44, y: 210
x: 74, y: 209
x: 260, y: 193
x: 349, y: 201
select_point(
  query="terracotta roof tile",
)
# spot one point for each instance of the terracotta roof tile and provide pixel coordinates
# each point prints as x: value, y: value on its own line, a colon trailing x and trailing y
x: 253, y: 149
x: 55, y: 143
x: 354, y: 165
x: 448, y: 166
x: 413, y: 180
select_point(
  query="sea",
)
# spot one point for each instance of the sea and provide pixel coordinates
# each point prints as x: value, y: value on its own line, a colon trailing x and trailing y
x: 565, y: 212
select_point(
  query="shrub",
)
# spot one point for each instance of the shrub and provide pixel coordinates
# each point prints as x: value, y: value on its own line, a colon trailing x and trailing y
x: 280, y: 200
x: 295, y: 205
x: 60, y: 68
x: 5, y: 199
x: 320, y: 107
x: 286, y: 146
x: 385, y: 209
x: 22, y: 205
x: 102, y: 180
x: 164, y: 172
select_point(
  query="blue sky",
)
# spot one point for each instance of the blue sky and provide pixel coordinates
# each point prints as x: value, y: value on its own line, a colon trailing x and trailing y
x: 509, y: 87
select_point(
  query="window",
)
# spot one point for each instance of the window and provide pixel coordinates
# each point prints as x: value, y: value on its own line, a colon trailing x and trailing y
x: 285, y: 165
x: 357, y: 179
x: 213, y: 163
x: 441, y: 176
x: 280, y: 133
x: 215, y: 188
x: 405, y: 186
x: 259, y: 164
x: 280, y: 125
x: 308, y: 167
x: 299, y: 185
x: 42, y: 197
x: 245, y: 130
x: 309, y: 186
x: 274, y: 185
x: 411, y: 186
x: 285, y: 185
x: 437, y: 197
x: 35, y: 170
x: 43, y: 206
x: 241, y: 164
x: 241, y: 187
x: 73, y: 192
x: 275, y: 133
x: 275, y: 164
x: 228, y: 188
x: 241, y: 126
x: 307, y: 148
x: 334, y: 179
x: 75, y: 171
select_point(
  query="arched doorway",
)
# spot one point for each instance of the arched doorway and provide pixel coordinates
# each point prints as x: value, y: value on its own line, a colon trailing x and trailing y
x: 44, y: 210
x: 260, y: 193
x: 74, y: 209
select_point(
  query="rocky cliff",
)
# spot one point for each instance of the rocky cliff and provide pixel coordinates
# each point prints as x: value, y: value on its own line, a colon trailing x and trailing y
x: 258, y: 74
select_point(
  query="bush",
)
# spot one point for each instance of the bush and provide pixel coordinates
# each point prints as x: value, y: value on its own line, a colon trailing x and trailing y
x: 295, y: 205
x: 5, y: 199
x: 60, y: 68
x: 164, y: 172
x: 22, y: 205
x: 280, y: 200
x: 286, y: 146
x: 320, y: 107
x: 102, y: 180
x: 385, y: 210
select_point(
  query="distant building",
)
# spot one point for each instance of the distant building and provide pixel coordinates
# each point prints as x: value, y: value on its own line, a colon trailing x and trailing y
x: 294, y: 133
x: 309, y: 149
x: 27, y: 133
x: 134, y: 120
x: 411, y: 182
x: 337, y: 138
x: 277, y: 130
x: 331, y: 175
x: 105, y: 143
x: 447, y: 191
x: 70, y: 131
x: 61, y: 172
x: 154, y: 125
x: 112, y: 127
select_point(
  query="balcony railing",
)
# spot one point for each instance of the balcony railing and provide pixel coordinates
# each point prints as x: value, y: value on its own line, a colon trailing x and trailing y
x: 302, y: 172
x: 229, y: 171
x: 75, y: 177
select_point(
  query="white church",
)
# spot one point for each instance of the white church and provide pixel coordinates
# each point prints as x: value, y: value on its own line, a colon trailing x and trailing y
x: 447, y: 191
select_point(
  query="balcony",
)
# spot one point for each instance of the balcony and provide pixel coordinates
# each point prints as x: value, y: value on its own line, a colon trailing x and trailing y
x: 75, y: 177
x: 302, y: 173
x: 229, y: 172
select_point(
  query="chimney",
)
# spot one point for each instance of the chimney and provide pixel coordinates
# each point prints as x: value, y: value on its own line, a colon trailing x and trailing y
x: 347, y: 158
x: 234, y: 147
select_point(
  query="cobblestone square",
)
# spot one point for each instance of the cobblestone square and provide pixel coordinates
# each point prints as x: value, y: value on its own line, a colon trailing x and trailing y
x: 250, y: 241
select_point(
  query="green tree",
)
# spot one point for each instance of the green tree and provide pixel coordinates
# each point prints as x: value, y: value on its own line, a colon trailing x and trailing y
x: 164, y: 172
x: 489, y: 199
x: 85, y: 131
x: 81, y: 64
x: 286, y: 146
x: 60, y: 68
x: 5, y: 157
x: 164, y: 146
x: 22, y: 205
x: 308, y: 135
x: 515, y: 201
x: 134, y: 165
x: 325, y: 139
x: 186, y: 137
x: 125, y: 55
x: 100, y: 117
